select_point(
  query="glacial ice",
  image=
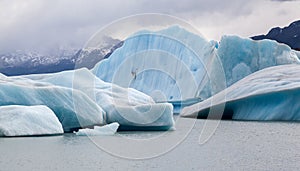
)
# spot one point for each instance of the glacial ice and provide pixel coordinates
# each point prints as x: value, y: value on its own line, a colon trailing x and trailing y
x: 242, y: 56
x: 73, y: 108
x: 130, y: 108
x: 269, y: 94
x: 28, y: 120
x: 161, y: 64
x: 172, y: 64
x: 109, y: 129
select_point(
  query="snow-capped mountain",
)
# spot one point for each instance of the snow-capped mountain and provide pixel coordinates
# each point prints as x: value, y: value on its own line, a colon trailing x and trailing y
x: 23, y: 62
x: 289, y: 35
x: 32, y: 62
x: 88, y: 57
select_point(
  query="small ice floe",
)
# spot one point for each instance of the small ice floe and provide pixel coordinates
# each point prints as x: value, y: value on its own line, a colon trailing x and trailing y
x: 109, y: 129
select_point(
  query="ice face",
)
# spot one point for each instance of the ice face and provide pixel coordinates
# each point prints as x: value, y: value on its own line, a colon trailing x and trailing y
x: 109, y: 129
x: 28, y: 120
x: 73, y: 108
x: 161, y: 64
x: 129, y: 107
x: 269, y: 94
x: 242, y: 56
x: 171, y: 64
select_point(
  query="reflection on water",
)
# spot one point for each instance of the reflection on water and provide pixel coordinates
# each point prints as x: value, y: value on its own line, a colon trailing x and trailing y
x: 235, y: 145
x: 71, y: 139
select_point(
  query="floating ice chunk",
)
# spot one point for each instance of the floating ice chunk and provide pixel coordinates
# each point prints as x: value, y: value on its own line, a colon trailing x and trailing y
x: 269, y: 94
x: 130, y: 108
x: 28, y: 120
x: 142, y: 117
x: 73, y: 108
x: 109, y: 129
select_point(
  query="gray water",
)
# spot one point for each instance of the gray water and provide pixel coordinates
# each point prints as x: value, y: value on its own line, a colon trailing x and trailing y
x: 234, y: 146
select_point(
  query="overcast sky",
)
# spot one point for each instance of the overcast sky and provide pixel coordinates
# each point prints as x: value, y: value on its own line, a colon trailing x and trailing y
x: 29, y: 24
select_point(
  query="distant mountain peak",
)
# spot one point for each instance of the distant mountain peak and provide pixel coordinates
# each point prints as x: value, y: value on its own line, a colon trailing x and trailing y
x: 295, y: 23
x: 289, y: 35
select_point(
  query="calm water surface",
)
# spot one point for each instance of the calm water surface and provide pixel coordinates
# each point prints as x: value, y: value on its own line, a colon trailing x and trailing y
x: 234, y: 146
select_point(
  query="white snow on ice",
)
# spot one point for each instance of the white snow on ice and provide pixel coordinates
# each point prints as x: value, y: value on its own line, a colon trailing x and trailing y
x: 18, y: 120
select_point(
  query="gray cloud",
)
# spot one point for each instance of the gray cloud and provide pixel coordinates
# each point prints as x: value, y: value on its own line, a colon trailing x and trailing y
x: 284, y: 0
x: 35, y: 24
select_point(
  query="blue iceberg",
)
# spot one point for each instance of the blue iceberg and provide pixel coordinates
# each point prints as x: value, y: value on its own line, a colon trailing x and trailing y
x: 132, y: 109
x: 73, y: 108
x: 242, y: 56
x: 171, y: 65
x: 174, y: 65
x: 269, y: 94
x: 161, y: 64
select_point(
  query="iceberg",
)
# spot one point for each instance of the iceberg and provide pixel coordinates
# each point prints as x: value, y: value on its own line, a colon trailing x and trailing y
x: 109, y: 129
x: 175, y: 65
x: 269, y: 94
x: 28, y: 120
x: 168, y: 66
x: 73, y: 108
x: 242, y: 56
x: 161, y: 64
x: 132, y: 109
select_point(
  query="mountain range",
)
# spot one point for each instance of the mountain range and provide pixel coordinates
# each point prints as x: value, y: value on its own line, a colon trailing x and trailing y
x: 34, y: 62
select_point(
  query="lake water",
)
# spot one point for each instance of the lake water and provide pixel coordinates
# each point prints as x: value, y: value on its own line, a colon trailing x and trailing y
x: 233, y: 146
